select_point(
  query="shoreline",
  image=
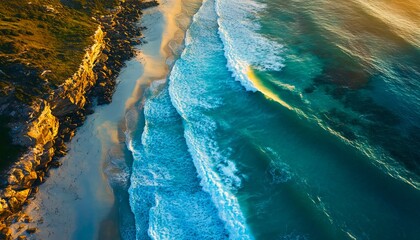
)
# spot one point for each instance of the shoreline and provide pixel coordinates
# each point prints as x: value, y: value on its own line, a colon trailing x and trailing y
x: 77, y: 196
x: 97, y: 188
x: 65, y: 112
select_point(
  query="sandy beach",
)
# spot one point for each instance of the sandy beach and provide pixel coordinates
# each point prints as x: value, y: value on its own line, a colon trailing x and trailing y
x: 84, y: 198
x: 77, y: 196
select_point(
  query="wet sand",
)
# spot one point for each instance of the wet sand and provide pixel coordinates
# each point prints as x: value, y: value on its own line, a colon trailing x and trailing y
x: 83, y: 199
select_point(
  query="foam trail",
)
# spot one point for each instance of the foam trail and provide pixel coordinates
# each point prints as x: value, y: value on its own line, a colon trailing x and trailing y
x: 244, y: 47
x: 237, y: 19
x: 165, y: 194
x: 193, y: 89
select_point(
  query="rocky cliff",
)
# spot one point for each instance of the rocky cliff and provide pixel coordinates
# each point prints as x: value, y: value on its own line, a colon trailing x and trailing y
x: 40, y: 129
x: 71, y: 95
x: 47, y: 123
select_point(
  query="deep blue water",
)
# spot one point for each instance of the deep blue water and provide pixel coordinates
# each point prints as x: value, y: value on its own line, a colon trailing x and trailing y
x: 284, y: 120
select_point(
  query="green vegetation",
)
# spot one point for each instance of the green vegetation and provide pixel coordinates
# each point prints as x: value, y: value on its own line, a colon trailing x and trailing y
x: 38, y: 36
x: 48, y: 34
x: 55, y: 30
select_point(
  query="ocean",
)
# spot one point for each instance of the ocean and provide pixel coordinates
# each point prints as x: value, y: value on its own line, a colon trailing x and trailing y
x: 284, y: 120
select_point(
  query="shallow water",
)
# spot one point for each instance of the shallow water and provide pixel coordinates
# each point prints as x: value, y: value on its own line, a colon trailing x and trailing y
x: 284, y: 120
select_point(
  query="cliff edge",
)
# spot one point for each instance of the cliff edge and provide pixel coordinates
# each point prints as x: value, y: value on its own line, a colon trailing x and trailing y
x: 41, y: 103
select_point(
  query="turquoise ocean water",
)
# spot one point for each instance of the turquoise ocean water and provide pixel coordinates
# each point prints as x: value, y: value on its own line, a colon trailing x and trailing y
x: 284, y: 120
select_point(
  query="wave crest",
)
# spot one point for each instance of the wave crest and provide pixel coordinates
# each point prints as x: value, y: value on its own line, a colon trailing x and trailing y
x: 244, y: 47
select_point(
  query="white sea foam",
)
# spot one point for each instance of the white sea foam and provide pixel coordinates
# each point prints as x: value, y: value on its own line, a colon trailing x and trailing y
x: 221, y: 187
x: 165, y: 194
x: 244, y: 47
x: 195, y: 90
x: 279, y: 171
x: 219, y: 176
x: 118, y: 173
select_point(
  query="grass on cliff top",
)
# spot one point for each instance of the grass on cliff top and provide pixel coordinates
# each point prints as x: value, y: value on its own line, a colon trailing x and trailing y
x: 48, y: 34
x: 45, y: 35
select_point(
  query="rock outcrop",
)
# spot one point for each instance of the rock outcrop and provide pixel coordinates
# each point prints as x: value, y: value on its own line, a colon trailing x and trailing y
x: 48, y: 123
x: 72, y: 94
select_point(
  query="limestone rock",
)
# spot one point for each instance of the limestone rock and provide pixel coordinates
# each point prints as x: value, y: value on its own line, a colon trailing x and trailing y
x: 5, y: 232
x: 14, y: 204
x: 22, y: 195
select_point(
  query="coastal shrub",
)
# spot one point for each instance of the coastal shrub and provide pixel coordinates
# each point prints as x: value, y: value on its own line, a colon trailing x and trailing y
x: 9, y: 19
x: 9, y: 32
x: 8, y: 47
x: 22, y: 31
x: 8, y: 151
x: 21, y: 15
